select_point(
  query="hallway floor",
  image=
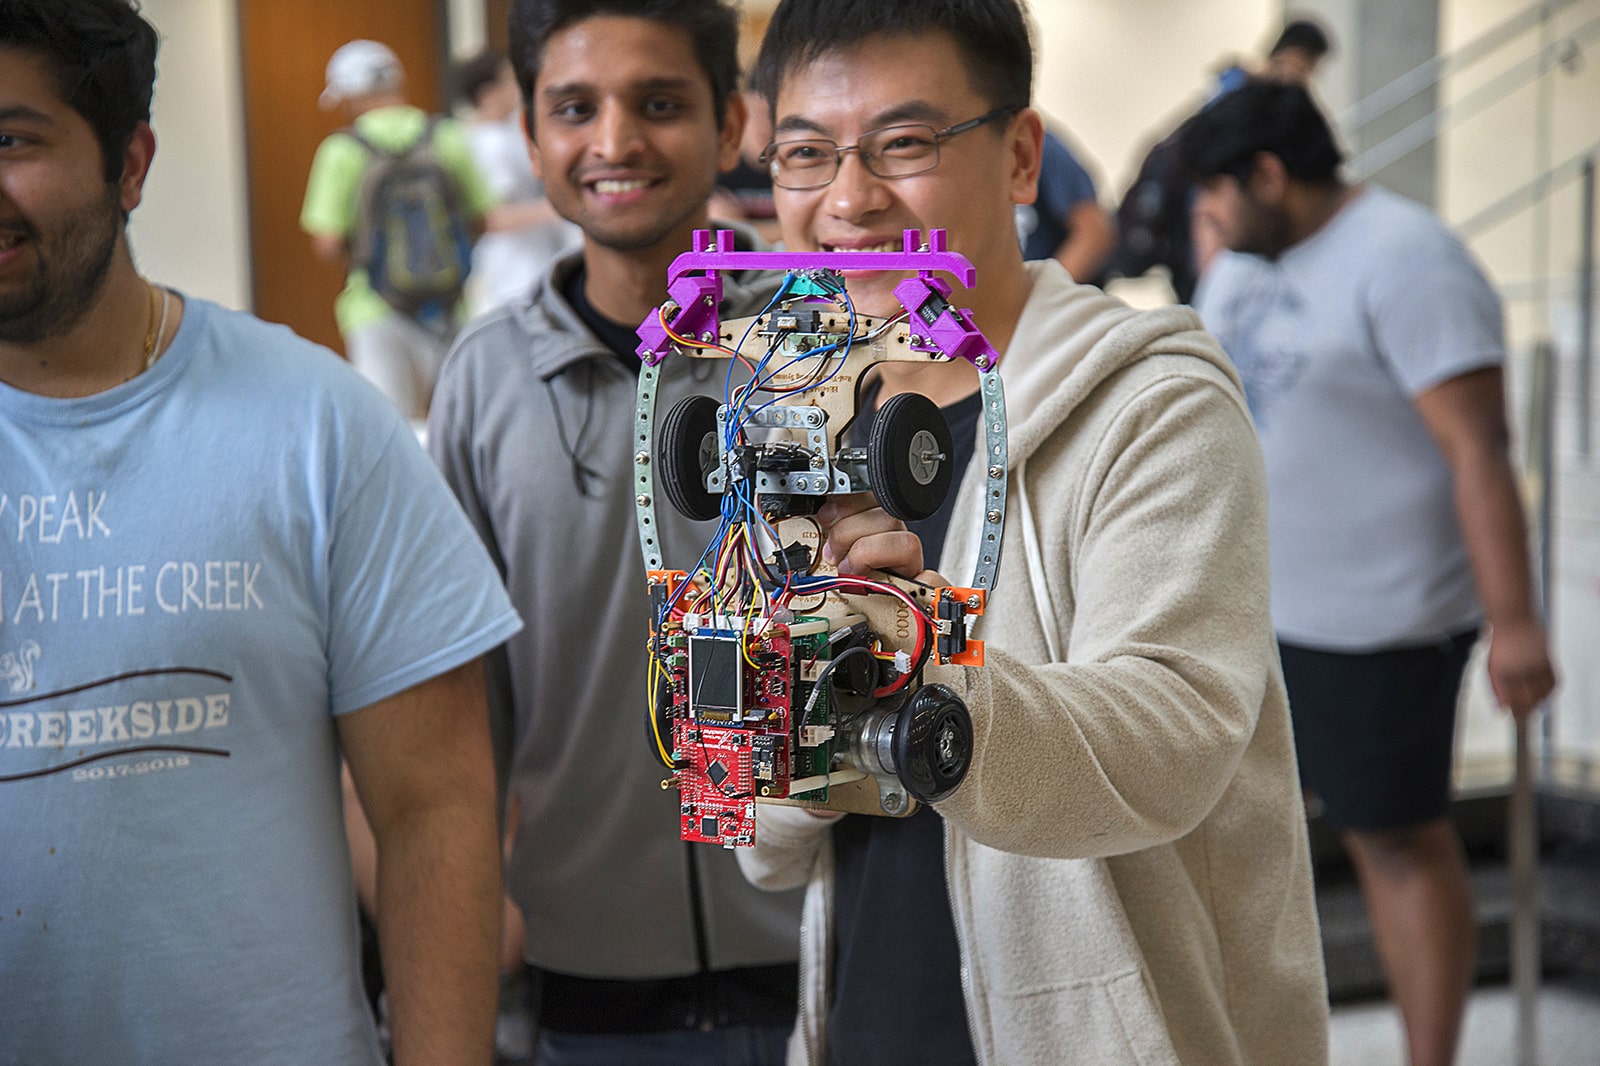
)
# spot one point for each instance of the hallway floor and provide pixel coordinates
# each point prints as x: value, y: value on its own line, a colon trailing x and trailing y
x: 1367, y: 1032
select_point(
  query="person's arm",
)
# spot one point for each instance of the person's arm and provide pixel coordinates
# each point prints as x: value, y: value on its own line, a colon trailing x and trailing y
x: 422, y: 767
x: 1466, y: 415
x: 330, y: 249
x: 787, y: 842
x: 328, y: 214
x: 1091, y: 236
x: 1155, y: 568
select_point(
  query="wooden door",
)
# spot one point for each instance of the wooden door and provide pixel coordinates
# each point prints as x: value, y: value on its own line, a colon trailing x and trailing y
x: 496, y: 15
x: 285, y: 45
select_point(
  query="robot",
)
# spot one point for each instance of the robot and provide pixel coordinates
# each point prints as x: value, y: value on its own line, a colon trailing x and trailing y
x: 773, y: 678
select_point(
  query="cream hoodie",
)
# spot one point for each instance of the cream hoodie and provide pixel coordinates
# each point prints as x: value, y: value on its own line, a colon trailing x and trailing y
x: 1127, y: 857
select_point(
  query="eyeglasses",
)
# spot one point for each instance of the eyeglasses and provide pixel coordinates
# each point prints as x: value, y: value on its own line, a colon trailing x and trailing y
x: 889, y: 153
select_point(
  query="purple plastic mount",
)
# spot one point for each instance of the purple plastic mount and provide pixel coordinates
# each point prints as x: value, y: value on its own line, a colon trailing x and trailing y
x: 694, y: 283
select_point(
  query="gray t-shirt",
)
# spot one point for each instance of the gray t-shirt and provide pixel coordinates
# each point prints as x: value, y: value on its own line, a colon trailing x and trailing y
x: 1334, y: 341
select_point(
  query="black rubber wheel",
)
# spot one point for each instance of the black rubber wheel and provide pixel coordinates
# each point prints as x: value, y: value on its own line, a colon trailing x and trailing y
x: 909, y: 457
x: 933, y: 743
x: 686, y: 451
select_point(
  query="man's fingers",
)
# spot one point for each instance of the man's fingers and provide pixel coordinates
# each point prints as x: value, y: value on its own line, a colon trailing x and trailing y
x: 1522, y: 693
x: 895, y: 551
x: 841, y: 507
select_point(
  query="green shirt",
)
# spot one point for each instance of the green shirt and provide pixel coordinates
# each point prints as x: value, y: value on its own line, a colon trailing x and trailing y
x: 334, y: 189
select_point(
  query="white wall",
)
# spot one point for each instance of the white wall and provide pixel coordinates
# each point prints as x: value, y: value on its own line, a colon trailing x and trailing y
x: 191, y: 231
x: 1119, y: 75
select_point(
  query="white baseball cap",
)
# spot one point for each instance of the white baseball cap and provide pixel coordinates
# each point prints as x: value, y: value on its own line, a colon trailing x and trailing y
x: 359, y: 68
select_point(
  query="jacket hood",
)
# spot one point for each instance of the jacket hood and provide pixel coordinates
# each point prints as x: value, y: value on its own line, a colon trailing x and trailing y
x: 1072, y: 338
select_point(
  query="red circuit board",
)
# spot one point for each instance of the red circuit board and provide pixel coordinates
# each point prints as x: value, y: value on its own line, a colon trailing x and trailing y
x: 730, y: 763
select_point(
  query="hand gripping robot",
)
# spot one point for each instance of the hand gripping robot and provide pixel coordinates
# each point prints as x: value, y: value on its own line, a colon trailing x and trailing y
x: 772, y: 676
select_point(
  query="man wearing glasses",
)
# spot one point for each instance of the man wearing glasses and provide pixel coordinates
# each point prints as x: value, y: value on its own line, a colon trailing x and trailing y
x: 1124, y: 874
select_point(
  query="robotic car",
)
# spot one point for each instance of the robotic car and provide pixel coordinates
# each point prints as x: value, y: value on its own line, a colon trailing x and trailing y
x: 773, y: 677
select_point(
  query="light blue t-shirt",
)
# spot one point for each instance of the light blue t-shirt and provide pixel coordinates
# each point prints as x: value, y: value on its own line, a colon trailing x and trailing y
x: 1334, y: 341
x: 199, y: 569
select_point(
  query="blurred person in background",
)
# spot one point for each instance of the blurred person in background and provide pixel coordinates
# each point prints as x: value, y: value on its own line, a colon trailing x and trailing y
x: 1371, y: 345
x: 526, y: 233
x: 1156, y: 223
x: 1066, y: 221
x: 396, y: 343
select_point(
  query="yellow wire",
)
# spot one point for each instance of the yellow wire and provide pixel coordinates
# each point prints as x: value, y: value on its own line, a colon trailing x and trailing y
x: 650, y: 702
x: 744, y: 642
x: 689, y: 342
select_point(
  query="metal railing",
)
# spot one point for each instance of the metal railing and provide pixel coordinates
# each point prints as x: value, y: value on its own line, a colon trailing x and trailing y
x: 1427, y: 75
x: 1427, y: 129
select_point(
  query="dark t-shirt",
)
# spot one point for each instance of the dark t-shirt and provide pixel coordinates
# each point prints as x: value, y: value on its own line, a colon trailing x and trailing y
x: 897, y: 995
x: 618, y: 336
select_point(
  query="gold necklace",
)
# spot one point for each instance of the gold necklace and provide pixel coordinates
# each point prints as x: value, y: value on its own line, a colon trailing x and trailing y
x: 150, y: 332
x: 158, y: 325
x: 152, y: 343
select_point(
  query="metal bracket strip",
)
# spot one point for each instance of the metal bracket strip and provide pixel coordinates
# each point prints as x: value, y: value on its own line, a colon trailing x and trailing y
x: 644, y: 477
x: 987, y: 570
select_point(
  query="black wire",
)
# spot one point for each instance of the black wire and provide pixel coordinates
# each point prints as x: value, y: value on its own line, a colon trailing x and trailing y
x: 581, y: 471
x: 822, y: 679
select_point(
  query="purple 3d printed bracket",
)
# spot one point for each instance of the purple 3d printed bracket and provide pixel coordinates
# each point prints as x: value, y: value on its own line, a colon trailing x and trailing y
x: 694, y: 284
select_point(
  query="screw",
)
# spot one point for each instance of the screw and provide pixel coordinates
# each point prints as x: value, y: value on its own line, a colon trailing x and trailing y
x: 982, y: 362
x: 894, y: 802
x: 708, y: 336
x: 997, y: 471
x: 993, y: 516
x: 642, y: 458
x: 813, y: 418
x: 643, y: 499
x: 973, y: 603
x: 917, y: 338
x: 818, y: 462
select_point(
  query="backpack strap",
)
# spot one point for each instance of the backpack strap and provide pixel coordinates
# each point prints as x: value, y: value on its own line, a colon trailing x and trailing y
x: 424, y: 138
x: 361, y: 139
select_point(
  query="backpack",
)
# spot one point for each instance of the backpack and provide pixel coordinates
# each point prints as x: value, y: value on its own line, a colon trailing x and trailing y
x: 1153, y: 222
x: 412, y: 235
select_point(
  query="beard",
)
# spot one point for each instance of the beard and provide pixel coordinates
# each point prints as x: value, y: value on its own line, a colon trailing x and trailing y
x: 74, y: 258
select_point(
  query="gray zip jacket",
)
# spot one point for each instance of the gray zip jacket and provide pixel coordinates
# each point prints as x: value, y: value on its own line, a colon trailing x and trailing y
x: 530, y: 426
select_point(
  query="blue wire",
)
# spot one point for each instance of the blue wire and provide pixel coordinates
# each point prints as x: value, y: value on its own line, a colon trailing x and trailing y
x: 737, y: 505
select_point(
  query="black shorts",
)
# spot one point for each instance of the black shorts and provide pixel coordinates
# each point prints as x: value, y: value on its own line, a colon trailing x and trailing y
x: 1374, y: 732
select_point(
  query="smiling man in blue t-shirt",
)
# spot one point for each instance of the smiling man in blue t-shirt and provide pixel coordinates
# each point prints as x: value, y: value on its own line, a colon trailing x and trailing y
x: 224, y: 563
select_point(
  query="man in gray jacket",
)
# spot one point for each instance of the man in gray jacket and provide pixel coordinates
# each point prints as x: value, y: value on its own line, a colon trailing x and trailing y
x: 645, y: 949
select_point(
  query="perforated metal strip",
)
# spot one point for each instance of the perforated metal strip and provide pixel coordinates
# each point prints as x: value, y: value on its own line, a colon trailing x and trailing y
x: 987, y: 570
x: 644, y: 476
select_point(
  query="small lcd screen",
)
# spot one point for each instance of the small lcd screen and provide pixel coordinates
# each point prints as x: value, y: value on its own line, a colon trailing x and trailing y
x: 716, y: 675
